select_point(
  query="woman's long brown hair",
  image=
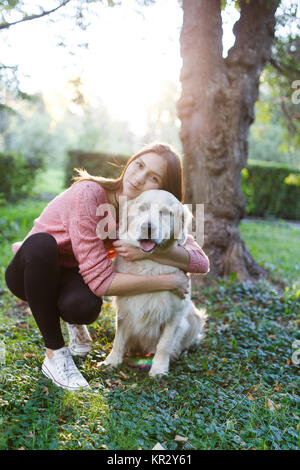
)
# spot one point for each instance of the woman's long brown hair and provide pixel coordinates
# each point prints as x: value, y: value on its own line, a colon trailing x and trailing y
x: 173, y: 181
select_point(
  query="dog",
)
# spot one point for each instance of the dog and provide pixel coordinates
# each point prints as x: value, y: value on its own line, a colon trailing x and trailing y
x: 160, y: 322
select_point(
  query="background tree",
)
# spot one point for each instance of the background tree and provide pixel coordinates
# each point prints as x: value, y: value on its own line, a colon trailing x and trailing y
x: 216, y: 109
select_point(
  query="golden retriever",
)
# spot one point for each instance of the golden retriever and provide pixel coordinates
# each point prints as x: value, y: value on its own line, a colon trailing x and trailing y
x: 161, y: 323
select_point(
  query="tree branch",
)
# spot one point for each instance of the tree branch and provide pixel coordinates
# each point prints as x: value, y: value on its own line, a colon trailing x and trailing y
x: 291, y: 126
x: 284, y: 69
x: 33, y: 17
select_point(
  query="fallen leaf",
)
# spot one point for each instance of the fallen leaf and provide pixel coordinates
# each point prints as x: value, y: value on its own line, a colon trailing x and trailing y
x: 180, y: 438
x: 272, y: 336
x: 24, y: 326
x: 108, y: 382
x: 28, y: 355
x: 270, y: 404
x: 251, y: 397
x: 45, y: 391
x: 158, y: 446
x: 209, y: 372
x: 123, y: 375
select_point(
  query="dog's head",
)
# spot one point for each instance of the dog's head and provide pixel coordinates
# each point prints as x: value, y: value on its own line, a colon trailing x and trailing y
x: 154, y: 221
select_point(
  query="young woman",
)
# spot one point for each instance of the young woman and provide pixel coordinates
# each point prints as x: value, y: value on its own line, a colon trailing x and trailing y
x: 62, y: 268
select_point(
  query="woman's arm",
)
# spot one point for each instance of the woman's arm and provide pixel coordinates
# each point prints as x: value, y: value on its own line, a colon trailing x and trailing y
x: 176, y: 256
x: 131, y: 284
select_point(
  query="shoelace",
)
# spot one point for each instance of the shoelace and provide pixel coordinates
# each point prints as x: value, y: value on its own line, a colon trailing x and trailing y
x: 67, y: 364
x: 71, y: 368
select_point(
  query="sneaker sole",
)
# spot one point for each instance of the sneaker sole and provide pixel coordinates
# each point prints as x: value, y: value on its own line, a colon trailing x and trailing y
x: 47, y: 373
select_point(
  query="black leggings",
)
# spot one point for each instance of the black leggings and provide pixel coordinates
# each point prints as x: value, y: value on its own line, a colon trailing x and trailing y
x: 51, y: 290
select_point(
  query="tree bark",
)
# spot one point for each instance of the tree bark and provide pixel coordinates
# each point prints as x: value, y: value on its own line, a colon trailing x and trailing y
x: 216, y: 109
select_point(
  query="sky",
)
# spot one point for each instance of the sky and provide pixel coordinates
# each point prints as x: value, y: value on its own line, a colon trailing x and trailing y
x: 131, y: 55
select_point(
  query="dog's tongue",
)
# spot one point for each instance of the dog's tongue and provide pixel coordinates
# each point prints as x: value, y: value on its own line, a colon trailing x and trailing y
x: 147, y: 245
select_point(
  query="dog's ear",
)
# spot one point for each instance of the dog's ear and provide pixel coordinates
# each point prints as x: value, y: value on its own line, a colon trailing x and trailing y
x: 183, y: 218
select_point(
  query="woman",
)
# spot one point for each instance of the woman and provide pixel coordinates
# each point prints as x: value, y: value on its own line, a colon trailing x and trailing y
x: 62, y: 268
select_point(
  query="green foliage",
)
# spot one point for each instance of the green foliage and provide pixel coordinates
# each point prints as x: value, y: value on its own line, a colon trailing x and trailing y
x: 29, y: 132
x: 237, y: 391
x: 271, y: 191
x: 17, y: 175
x: 283, y: 71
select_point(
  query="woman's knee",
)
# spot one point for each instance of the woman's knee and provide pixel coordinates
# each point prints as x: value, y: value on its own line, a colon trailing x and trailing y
x: 80, y: 311
x: 40, y: 246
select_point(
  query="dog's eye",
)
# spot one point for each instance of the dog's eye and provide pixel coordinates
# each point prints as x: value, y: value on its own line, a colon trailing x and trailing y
x: 143, y: 207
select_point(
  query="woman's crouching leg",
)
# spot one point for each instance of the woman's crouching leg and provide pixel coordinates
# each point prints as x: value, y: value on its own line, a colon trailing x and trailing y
x: 77, y: 304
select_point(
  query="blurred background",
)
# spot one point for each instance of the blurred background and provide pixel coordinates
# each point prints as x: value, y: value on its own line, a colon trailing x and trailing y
x: 103, y: 76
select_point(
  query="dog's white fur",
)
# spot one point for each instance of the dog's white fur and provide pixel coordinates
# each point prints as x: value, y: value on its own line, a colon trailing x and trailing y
x: 158, y: 322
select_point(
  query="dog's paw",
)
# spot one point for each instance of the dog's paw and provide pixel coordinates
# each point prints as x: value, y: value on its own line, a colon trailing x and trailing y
x: 157, y: 373
x: 110, y: 362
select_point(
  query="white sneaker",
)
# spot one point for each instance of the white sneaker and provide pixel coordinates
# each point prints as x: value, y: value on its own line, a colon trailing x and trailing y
x: 80, y: 342
x: 62, y: 370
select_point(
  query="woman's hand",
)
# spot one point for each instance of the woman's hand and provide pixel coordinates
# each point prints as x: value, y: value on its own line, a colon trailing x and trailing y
x: 128, y: 252
x: 181, y: 282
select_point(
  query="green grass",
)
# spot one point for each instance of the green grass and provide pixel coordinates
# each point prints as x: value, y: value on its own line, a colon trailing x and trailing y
x: 236, y: 391
x: 275, y: 245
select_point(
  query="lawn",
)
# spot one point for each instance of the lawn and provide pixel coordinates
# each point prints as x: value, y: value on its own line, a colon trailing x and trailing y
x: 236, y: 391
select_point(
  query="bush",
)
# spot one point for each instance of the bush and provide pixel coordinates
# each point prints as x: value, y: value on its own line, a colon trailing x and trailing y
x: 271, y: 190
x: 17, y: 175
x: 97, y: 164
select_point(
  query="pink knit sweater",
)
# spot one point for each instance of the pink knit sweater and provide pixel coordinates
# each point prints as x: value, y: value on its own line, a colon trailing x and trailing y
x: 71, y: 219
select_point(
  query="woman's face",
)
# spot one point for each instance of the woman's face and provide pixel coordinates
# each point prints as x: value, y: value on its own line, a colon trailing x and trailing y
x: 144, y: 173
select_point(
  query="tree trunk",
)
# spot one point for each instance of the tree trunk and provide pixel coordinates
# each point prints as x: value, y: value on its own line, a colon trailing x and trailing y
x: 216, y: 109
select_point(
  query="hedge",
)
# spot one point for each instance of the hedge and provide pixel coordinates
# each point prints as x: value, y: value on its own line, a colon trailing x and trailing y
x: 271, y: 189
x: 17, y: 176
